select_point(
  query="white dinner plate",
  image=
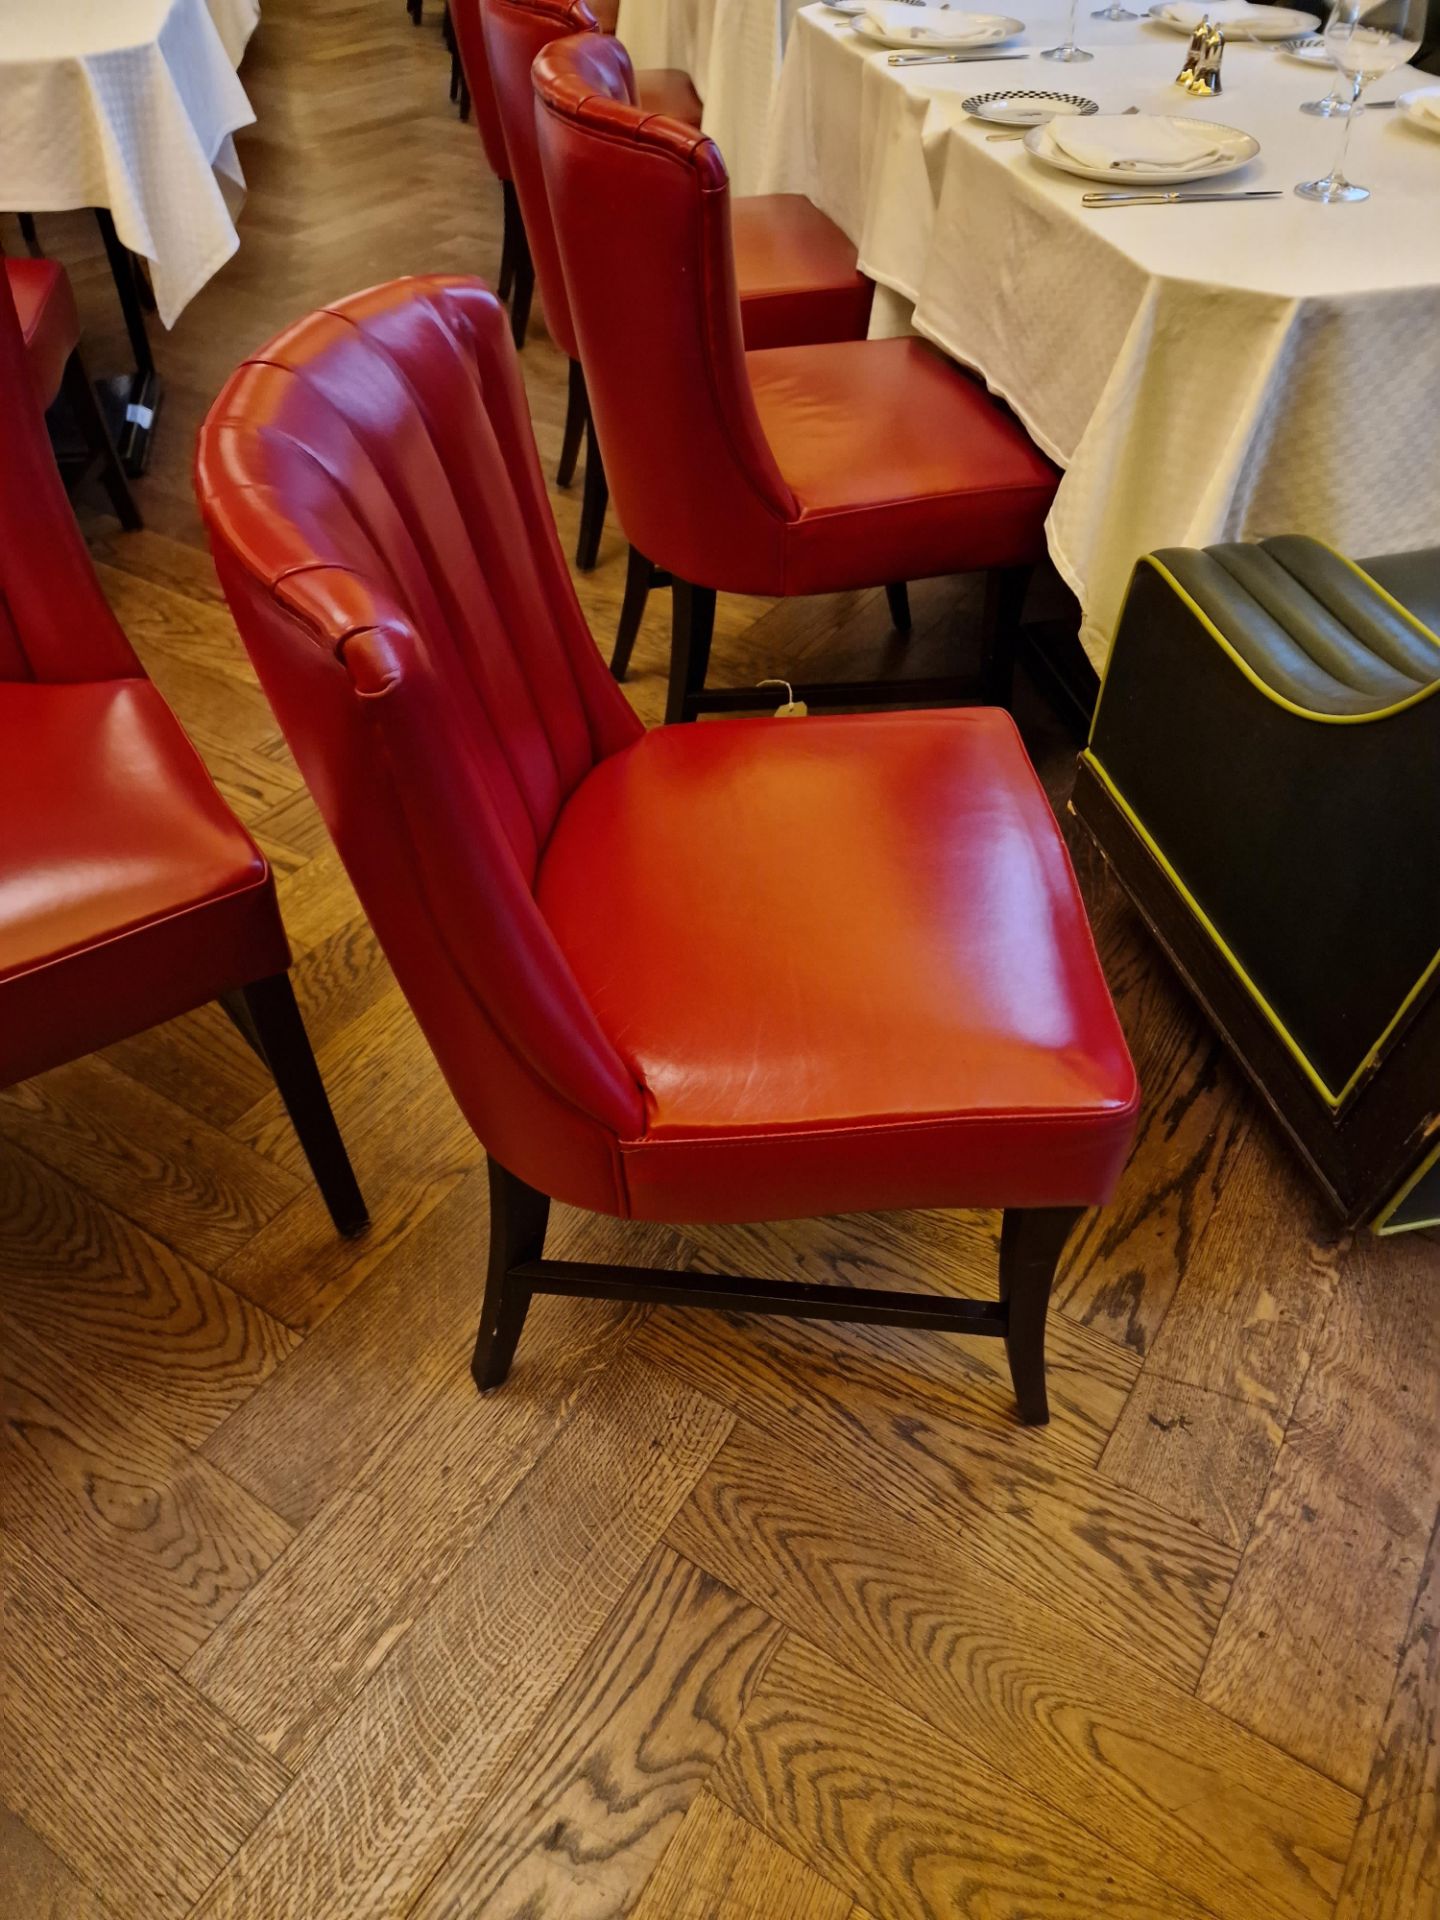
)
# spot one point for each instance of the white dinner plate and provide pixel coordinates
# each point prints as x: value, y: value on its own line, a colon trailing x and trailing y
x: 847, y: 7
x: 1415, y: 113
x: 960, y: 40
x: 1243, y: 148
x: 1027, y: 106
x: 1280, y: 23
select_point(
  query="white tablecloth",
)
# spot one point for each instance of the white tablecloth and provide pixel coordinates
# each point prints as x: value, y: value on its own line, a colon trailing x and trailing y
x: 1202, y: 373
x: 130, y: 105
x: 732, y: 50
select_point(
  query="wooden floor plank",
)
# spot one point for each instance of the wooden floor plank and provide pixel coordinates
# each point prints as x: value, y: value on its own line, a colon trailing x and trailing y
x: 719, y: 1867
x: 1306, y: 1653
x: 953, y: 1253
x: 1203, y: 1428
x: 879, y: 1804
x: 1022, y: 1687
x: 1055, y: 1530
x: 36, y: 1883
x: 183, y: 1349
x: 390, y: 1791
x: 190, y: 1185
x: 1127, y: 1260
x: 138, y: 1785
x: 1394, y: 1869
x: 290, y: 1659
x: 580, y: 1821
x: 149, y: 1531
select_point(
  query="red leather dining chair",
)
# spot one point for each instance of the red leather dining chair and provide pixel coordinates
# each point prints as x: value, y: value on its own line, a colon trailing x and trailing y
x: 797, y: 275
x: 792, y: 470
x: 747, y: 971
x: 129, y: 893
x: 50, y: 328
x: 517, y: 271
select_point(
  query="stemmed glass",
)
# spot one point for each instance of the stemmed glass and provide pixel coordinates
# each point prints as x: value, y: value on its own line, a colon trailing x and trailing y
x: 1364, y: 38
x: 1069, y: 51
x: 1114, y: 12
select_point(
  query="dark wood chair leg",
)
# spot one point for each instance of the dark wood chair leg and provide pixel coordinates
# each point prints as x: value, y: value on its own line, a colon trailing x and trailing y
x: 1005, y: 590
x: 639, y: 579
x: 464, y: 96
x: 512, y: 238
x: 897, y: 594
x: 30, y: 234
x: 447, y: 34
x: 80, y: 397
x: 267, y: 1015
x: 1031, y: 1242
x: 523, y: 289
x: 577, y: 412
x: 518, y: 1217
x: 594, y: 502
x: 693, y: 627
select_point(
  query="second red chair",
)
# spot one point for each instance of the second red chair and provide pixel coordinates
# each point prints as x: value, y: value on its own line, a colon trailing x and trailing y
x: 796, y: 273
x: 791, y: 470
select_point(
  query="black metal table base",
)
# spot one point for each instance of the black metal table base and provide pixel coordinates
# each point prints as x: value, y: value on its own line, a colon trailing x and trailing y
x: 131, y: 405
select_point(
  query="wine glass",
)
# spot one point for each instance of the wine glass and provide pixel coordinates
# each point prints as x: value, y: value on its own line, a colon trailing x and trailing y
x: 1364, y: 38
x: 1114, y: 12
x: 1069, y: 51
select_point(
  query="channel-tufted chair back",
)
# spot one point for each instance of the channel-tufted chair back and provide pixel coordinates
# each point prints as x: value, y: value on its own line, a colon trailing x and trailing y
x: 470, y: 42
x: 381, y: 530
x: 515, y: 31
x: 641, y: 206
x: 54, y: 621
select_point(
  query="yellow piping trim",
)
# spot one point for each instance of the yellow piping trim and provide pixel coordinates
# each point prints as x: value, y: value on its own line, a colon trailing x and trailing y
x: 1262, y: 686
x: 1382, y: 1220
x: 1333, y: 1100
x: 1375, y: 587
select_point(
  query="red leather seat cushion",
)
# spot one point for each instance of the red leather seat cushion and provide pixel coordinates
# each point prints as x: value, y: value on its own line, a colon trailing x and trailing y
x: 49, y: 322
x: 796, y: 273
x: 846, y: 961
x: 128, y: 890
x: 902, y: 465
x: 668, y: 90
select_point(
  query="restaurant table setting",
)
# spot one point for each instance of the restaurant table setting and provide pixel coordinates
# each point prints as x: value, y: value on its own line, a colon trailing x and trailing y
x: 131, y: 106
x: 1131, y: 266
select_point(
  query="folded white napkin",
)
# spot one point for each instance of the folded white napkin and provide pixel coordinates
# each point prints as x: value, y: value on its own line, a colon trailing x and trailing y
x: 1428, y: 103
x: 1137, y: 143
x: 1224, y: 14
x: 936, y: 25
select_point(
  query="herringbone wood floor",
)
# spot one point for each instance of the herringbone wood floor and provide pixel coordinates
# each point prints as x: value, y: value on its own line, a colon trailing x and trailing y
x: 698, y: 1617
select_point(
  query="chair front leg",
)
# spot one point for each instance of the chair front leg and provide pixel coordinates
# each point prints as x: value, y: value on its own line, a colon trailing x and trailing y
x: 639, y: 578
x: 897, y: 596
x: 577, y: 412
x: 691, y: 633
x: 518, y: 1218
x: 1031, y: 1242
x: 266, y: 1013
x: 593, y: 502
x: 1005, y: 590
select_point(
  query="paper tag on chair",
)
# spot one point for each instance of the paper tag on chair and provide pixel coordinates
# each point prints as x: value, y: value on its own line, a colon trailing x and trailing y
x: 790, y: 708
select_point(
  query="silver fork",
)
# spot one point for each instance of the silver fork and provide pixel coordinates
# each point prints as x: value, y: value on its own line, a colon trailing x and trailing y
x: 1019, y: 133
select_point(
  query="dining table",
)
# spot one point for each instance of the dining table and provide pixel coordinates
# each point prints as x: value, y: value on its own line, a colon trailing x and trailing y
x: 130, y: 107
x: 733, y: 51
x: 1199, y: 373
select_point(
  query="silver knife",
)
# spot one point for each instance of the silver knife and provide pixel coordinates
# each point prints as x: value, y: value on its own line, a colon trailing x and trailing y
x: 1176, y: 199
x: 953, y: 59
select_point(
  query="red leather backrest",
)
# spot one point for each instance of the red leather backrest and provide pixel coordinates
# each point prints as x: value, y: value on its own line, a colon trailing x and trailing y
x: 470, y: 44
x: 515, y: 31
x: 54, y: 623
x: 380, y: 527
x: 641, y: 206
